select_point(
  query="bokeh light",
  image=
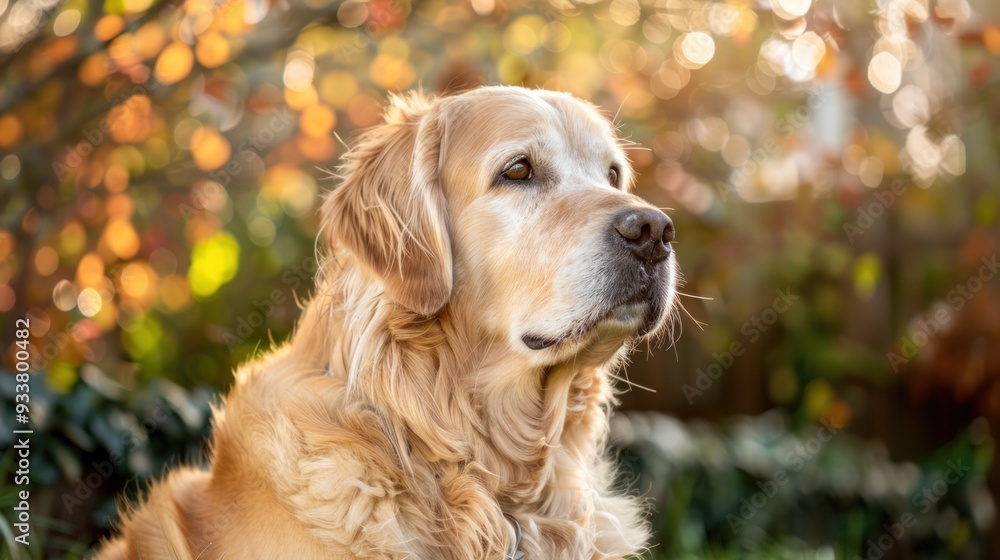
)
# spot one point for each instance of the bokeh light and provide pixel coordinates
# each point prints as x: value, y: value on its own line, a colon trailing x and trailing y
x: 695, y: 49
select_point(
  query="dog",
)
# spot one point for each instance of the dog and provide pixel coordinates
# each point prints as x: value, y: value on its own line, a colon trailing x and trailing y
x: 446, y: 393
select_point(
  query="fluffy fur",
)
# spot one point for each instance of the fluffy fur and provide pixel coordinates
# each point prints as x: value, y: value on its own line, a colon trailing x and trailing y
x: 406, y: 415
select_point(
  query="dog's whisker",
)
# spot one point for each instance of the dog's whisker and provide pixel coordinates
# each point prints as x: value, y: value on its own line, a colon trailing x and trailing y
x: 675, y: 323
x: 632, y: 383
x: 678, y: 321
x: 341, y: 140
x: 620, y: 107
x: 680, y: 293
x: 696, y: 321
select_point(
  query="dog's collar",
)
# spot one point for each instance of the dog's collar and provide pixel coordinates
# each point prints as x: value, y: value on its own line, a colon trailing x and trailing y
x: 514, y: 551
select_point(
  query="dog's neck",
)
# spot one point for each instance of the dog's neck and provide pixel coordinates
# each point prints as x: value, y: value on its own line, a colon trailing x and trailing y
x: 454, y: 399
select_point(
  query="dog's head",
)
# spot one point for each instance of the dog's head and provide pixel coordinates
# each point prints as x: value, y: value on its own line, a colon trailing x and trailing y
x: 508, y: 209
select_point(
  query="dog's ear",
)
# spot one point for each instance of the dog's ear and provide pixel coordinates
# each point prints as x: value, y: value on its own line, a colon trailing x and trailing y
x: 389, y: 211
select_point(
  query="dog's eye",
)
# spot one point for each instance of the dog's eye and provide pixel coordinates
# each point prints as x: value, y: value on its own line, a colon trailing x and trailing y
x: 613, y: 176
x: 519, y: 170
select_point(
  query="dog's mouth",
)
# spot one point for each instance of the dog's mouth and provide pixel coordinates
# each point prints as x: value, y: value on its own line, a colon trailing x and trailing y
x: 636, y: 314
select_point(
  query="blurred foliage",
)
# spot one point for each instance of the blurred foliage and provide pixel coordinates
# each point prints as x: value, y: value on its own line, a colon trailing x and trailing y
x: 88, y: 445
x: 162, y: 161
x: 756, y: 489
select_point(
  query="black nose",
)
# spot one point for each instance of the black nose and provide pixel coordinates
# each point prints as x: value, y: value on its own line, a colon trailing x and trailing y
x: 645, y: 232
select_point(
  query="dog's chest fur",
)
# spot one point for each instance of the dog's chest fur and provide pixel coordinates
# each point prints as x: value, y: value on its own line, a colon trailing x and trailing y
x: 363, y: 483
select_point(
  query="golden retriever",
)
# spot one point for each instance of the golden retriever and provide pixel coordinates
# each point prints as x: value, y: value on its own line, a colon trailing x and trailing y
x: 447, y: 390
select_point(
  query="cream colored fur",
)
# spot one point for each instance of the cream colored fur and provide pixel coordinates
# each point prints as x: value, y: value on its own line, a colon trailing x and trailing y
x: 405, y: 417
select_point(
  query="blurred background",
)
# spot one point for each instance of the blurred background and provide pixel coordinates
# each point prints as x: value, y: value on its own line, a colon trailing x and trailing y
x: 832, y: 169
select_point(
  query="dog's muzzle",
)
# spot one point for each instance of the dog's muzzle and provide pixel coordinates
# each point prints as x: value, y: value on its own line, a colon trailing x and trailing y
x: 637, y: 277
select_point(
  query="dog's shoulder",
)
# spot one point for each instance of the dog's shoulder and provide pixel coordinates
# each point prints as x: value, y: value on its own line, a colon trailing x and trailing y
x: 293, y: 433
